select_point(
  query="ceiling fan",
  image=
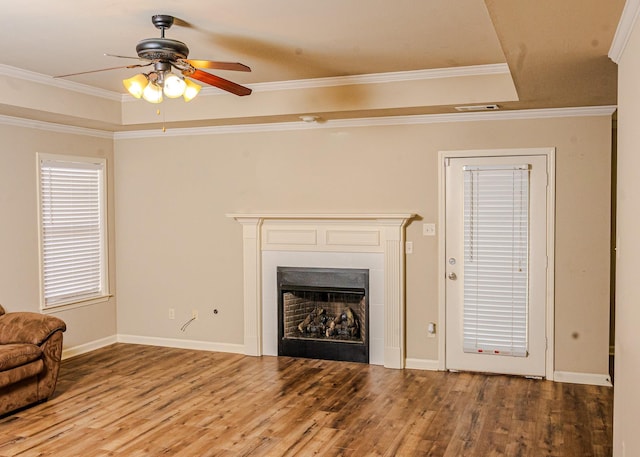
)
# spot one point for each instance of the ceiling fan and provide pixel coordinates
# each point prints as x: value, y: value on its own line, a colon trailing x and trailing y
x: 165, y: 54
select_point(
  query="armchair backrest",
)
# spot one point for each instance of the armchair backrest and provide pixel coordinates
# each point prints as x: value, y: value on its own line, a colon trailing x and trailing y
x: 31, y: 328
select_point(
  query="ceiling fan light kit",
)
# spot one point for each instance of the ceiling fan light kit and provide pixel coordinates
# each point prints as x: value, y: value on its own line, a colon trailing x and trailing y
x: 152, y: 93
x: 174, y: 86
x: 136, y: 84
x: 166, y: 54
x: 153, y: 85
x: 191, y: 90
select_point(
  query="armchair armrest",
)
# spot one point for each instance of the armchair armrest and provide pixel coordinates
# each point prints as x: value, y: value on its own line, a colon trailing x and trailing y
x: 32, y: 328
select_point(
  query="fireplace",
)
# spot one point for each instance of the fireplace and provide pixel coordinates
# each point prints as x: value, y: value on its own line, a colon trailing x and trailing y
x: 323, y: 313
x: 367, y: 241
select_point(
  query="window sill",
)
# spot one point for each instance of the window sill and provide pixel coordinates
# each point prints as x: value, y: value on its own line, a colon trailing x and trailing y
x: 52, y: 309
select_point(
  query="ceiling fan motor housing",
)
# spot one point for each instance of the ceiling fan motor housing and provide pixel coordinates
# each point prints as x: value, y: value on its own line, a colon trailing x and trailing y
x: 162, y: 49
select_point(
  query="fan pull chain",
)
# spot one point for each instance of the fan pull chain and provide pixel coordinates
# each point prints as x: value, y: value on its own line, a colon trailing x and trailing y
x: 163, y: 120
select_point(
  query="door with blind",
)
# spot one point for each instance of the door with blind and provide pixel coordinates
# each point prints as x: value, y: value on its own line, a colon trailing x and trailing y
x: 496, y: 264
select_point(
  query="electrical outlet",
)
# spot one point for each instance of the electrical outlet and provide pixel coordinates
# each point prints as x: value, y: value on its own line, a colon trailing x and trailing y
x: 194, y: 313
x: 172, y: 313
x: 429, y: 229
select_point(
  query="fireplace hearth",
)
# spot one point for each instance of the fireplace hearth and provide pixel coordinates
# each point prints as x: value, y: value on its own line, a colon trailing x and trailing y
x: 323, y: 313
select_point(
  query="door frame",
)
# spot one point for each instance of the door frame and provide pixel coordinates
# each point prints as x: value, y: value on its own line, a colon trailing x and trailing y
x: 550, y: 154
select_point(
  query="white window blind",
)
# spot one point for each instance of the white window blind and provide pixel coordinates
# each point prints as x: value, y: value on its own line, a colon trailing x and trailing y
x: 496, y: 240
x: 73, y: 226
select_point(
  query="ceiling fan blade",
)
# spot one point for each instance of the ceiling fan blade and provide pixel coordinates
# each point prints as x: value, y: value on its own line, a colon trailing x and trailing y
x: 102, y: 69
x: 234, y: 66
x: 182, y: 23
x: 218, y: 82
x: 123, y: 57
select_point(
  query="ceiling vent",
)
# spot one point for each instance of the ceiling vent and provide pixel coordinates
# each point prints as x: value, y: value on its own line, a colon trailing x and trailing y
x: 478, y: 108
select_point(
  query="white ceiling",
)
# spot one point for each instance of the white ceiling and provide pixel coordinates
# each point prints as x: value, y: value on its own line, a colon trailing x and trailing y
x: 556, y: 50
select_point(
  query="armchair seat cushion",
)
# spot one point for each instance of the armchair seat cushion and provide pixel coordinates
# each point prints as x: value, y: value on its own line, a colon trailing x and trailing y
x: 17, y: 376
x: 15, y: 355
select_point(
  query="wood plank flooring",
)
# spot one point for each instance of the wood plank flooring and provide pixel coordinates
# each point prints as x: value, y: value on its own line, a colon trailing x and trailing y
x: 131, y: 400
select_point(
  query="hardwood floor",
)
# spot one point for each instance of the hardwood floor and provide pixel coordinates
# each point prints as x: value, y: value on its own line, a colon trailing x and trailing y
x: 131, y: 400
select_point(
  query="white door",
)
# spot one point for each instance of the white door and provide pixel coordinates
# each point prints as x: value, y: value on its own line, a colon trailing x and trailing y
x: 496, y: 261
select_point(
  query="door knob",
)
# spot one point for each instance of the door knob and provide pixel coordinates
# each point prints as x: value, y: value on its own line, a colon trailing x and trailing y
x: 452, y: 276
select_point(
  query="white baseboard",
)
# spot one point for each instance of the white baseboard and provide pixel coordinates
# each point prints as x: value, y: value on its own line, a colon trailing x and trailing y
x: 422, y: 364
x: 88, y: 347
x: 415, y: 364
x: 595, y: 379
x: 182, y: 344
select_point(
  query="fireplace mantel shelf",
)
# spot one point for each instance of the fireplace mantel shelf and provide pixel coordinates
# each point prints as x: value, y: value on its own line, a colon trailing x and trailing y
x: 323, y: 216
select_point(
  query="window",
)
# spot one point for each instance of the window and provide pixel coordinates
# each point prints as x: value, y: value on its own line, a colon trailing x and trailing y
x: 73, y: 241
x: 496, y: 249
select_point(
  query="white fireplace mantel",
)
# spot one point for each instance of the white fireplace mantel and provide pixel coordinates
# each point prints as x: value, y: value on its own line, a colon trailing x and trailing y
x: 328, y: 233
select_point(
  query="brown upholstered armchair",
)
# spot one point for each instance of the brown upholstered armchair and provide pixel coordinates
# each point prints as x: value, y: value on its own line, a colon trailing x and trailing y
x: 30, y: 353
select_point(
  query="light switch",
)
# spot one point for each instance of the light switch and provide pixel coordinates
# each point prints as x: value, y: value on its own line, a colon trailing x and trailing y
x: 408, y: 247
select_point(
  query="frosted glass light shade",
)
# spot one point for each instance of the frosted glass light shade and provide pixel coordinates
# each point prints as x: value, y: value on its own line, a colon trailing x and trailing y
x: 191, y: 90
x: 136, y: 84
x: 152, y: 93
x: 174, y: 86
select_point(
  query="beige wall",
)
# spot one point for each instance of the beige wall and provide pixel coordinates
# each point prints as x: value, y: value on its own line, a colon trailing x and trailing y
x: 176, y: 249
x: 627, y: 396
x: 19, y: 264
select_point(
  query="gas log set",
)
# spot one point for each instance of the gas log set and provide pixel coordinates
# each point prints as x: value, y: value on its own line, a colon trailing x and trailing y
x: 319, y: 324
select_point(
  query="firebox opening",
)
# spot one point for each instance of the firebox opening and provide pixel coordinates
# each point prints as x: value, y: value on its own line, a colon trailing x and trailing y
x: 323, y: 313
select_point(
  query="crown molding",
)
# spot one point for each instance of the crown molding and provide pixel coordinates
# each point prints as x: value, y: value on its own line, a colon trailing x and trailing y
x: 53, y: 127
x: 625, y: 27
x: 376, y: 78
x: 376, y: 121
x: 546, y: 113
x: 32, y: 76
x: 399, y: 76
